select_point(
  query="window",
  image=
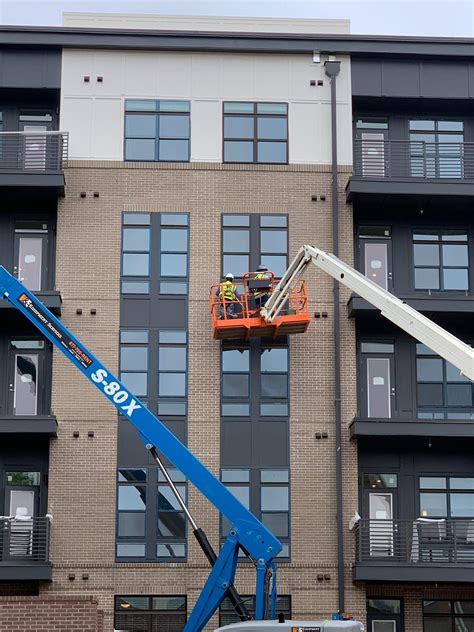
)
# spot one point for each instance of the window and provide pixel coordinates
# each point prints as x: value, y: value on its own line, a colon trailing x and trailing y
x: 131, y: 512
x: 266, y: 492
x: 157, y: 131
x: 172, y: 372
x: 441, y: 260
x: 149, y: 614
x: 227, y: 613
x: 165, y: 272
x: 436, y: 148
x: 442, y: 392
x: 150, y: 523
x: 165, y: 349
x: 446, y: 497
x: 134, y: 361
x: 448, y: 615
x: 250, y: 240
x: 255, y: 379
x: 256, y: 132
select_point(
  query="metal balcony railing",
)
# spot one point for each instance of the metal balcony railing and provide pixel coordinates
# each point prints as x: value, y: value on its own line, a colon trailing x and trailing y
x: 419, y: 541
x: 25, y: 540
x: 399, y: 159
x: 33, y: 151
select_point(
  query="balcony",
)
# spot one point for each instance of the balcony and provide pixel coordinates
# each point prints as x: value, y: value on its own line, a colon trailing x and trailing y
x: 24, y: 549
x: 418, y: 550
x: 35, y: 160
x: 399, y: 167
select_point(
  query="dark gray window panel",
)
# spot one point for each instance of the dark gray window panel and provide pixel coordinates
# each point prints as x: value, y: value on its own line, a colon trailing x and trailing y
x: 235, y: 385
x: 150, y: 614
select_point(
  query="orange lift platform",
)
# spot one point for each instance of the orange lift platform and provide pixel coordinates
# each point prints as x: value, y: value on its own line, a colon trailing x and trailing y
x: 240, y: 319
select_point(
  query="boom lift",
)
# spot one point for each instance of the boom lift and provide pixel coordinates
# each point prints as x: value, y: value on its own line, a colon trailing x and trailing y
x: 247, y: 533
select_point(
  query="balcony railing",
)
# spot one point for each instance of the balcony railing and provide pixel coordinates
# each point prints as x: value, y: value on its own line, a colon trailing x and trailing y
x: 415, y: 542
x: 24, y: 541
x: 33, y: 151
x: 414, y: 159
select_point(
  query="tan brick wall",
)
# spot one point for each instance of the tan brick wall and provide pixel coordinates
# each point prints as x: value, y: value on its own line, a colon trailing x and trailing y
x: 82, y: 471
x: 46, y: 614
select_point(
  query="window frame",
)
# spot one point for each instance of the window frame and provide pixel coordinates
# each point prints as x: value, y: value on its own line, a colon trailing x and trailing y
x: 255, y: 139
x: 150, y: 610
x: 157, y: 113
x: 255, y: 486
x: 447, y: 491
x: 438, y: 241
x: 451, y: 616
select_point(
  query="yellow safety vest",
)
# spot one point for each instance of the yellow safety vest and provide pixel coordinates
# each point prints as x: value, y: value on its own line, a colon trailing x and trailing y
x: 227, y: 291
x: 259, y: 275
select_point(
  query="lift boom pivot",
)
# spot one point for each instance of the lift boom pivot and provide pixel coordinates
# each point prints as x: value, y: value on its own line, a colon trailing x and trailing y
x: 421, y: 328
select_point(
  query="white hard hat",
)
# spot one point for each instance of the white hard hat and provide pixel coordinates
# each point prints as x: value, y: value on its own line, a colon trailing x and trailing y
x: 229, y: 275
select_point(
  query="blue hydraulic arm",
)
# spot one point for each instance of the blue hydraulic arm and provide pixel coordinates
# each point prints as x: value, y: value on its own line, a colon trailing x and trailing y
x: 246, y: 533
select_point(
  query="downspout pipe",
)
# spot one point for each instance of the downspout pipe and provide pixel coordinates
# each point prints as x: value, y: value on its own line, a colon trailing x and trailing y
x: 332, y: 69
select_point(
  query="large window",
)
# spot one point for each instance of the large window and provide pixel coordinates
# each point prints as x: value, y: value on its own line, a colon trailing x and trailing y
x: 384, y: 615
x: 227, y: 613
x: 255, y: 380
x: 448, y: 616
x: 256, y: 132
x: 436, y: 148
x: 141, y: 351
x: 266, y: 492
x: 446, y: 497
x: 157, y: 130
x: 250, y: 240
x: 442, y: 392
x: 150, y: 523
x: 155, y: 250
x: 441, y: 260
x: 163, y: 613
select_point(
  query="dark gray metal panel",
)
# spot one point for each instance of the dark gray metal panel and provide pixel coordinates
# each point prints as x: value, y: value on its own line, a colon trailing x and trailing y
x: 270, y: 443
x: 429, y: 573
x: 366, y: 77
x: 18, y: 571
x: 58, y: 37
x: 47, y: 426
x: 444, y: 79
x: 236, y: 443
x: 360, y: 187
x: 399, y: 78
x: 53, y: 181
x: 52, y: 300
x: 30, y: 68
x: 410, y: 428
x: 358, y: 307
x: 131, y: 452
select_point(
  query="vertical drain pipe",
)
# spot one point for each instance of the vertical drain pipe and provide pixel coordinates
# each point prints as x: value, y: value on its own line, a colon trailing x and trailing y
x: 332, y: 69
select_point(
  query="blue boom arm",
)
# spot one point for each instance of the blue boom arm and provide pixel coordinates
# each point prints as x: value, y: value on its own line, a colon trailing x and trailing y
x: 247, y: 532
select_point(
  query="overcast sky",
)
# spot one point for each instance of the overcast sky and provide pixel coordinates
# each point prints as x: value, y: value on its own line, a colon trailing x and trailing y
x: 385, y: 17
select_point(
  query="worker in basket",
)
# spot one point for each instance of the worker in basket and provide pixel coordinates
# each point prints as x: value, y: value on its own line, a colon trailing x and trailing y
x: 261, y: 295
x: 228, y: 295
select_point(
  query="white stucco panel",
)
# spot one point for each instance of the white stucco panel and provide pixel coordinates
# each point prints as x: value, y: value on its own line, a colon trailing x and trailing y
x: 107, y: 137
x: 76, y: 118
x: 305, y: 145
x: 206, y: 138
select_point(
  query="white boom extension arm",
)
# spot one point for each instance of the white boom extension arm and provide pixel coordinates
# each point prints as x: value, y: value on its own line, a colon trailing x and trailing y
x: 421, y: 328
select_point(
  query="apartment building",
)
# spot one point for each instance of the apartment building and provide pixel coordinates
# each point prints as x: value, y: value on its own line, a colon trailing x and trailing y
x: 141, y: 159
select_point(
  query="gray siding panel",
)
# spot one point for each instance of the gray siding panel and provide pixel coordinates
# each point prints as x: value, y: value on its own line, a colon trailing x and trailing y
x: 30, y: 69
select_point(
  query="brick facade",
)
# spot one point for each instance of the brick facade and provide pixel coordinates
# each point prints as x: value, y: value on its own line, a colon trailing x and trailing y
x: 50, y: 614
